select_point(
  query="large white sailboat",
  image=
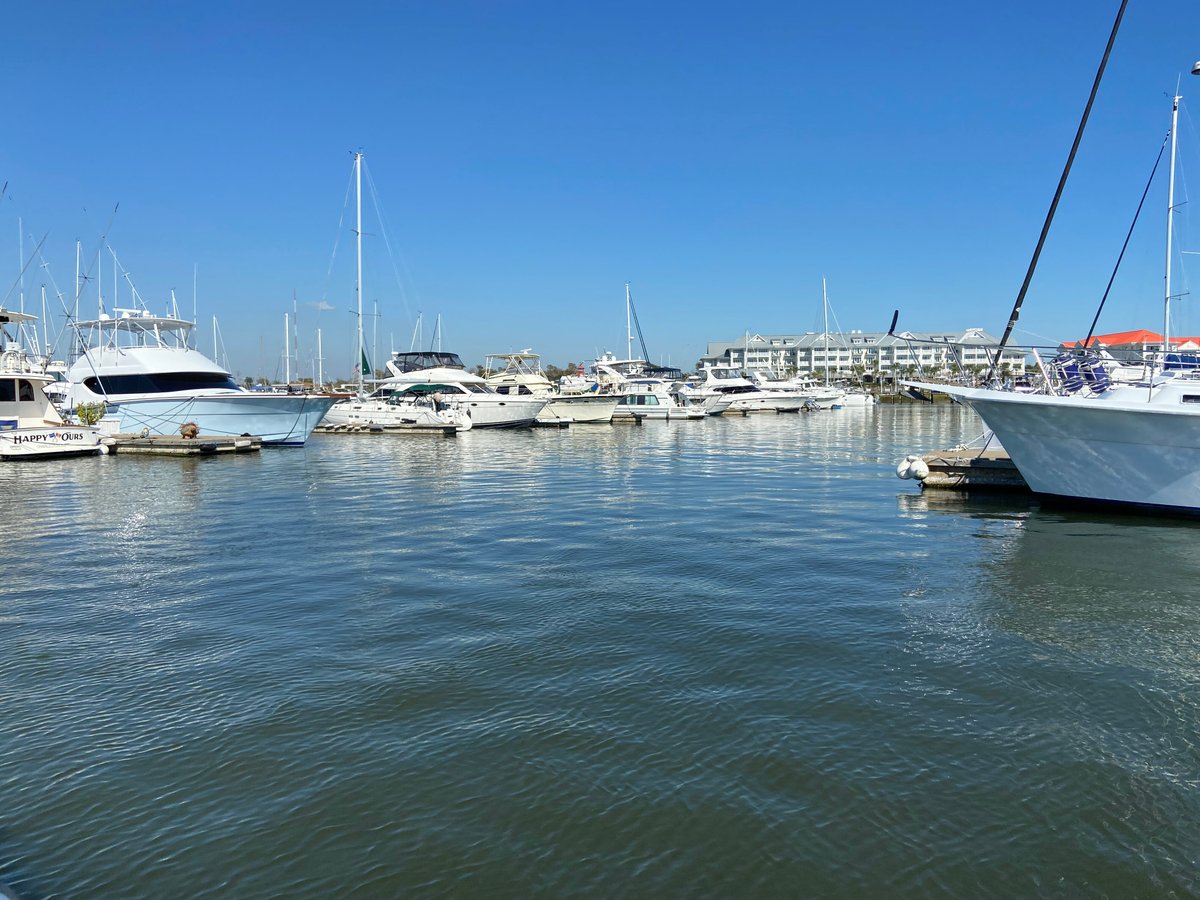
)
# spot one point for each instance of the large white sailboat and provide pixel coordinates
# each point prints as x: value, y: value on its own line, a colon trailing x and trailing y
x: 1095, y: 439
x: 387, y: 407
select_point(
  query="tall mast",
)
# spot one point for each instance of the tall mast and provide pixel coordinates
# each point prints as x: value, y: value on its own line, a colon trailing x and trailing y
x: 78, y: 250
x: 287, y: 352
x: 628, y: 324
x: 825, y: 305
x: 21, y: 260
x: 320, y: 364
x: 1170, y: 229
x: 358, y: 283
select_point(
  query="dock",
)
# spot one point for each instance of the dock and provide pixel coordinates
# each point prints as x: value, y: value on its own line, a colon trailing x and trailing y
x: 444, y: 430
x: 172, y: 445
x: 964, y: 469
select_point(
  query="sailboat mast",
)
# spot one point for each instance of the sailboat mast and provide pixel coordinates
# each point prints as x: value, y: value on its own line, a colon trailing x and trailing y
x: 21, y: 260
x: 628, y: 324
x: 358, y: 284
x: 825, y: 306
x: 287, y: 352
x: 1170, y: 229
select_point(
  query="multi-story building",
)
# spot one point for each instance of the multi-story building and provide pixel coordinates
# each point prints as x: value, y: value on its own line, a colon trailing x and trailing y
x: 866, y: 354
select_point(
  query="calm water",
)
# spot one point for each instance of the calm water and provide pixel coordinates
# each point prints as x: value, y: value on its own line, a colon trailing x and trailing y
x: 726, y: 658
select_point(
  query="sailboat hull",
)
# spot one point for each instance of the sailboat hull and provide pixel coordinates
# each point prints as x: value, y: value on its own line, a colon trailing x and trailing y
x: 1121, y: 447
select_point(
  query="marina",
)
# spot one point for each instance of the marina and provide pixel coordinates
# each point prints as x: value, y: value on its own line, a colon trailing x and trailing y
x: 478, y: 582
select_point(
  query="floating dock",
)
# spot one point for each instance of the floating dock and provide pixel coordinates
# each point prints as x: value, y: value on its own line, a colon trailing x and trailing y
x: 171, y: 445
x: 445, y: 430
x: 964, y: 469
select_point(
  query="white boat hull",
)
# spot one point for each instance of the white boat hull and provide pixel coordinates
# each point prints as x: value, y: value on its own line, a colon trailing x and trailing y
x: 1113, y: 448
x: 51, y: 441
x: 769, y: 403
x: 591, y: 409
x: 396, y: 416
x: 505, y: 412
x: 279, y: 419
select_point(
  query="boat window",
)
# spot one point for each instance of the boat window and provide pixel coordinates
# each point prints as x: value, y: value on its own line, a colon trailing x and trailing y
x: 1190, y: 398
x: 8, y: 390
x: 160, y: 383
x: 26, y: 391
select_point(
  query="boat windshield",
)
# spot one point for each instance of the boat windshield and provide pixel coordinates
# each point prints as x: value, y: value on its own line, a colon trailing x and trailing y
x: 160, y: 383
x: 415, y: 361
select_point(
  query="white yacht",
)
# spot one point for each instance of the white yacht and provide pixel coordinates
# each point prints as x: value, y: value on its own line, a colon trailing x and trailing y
x: 142, y: 368
x: 30, y: 425
x: 826, y: 396
x: 695, y: 392
x: 644, y: 390
x: 748, y: 396
x: 399, y: 409
x: 521, y: 375
x: 445, y: 372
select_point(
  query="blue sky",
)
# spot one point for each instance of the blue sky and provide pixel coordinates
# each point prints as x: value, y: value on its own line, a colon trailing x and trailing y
x: 531, y: 157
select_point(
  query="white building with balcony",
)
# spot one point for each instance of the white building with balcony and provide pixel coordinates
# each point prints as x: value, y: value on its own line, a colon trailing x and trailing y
x: 874, y: 355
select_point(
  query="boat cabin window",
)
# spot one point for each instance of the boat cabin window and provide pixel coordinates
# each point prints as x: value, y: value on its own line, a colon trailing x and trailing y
x: 160, y: 383
x: 503, y: 389
x: 8, y: 390
x: 1190, y: 398
x: 25, y: 391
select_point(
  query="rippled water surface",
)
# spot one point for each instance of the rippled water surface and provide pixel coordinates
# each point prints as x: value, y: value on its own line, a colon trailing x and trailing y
x: 735, y: 657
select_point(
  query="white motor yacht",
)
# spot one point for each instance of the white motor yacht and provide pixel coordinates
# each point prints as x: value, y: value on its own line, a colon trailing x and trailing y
x: 398, y: 409
x: 142, y: 368
x: 521, y: 376
x: 748, y: 396
x: 487, y: 408
x: 826, y: 396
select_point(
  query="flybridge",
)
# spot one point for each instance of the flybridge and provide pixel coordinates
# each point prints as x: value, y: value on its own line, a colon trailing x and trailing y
x: 418, y: 360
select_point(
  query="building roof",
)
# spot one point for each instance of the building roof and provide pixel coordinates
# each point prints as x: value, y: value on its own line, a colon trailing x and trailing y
x: 1137, y: 336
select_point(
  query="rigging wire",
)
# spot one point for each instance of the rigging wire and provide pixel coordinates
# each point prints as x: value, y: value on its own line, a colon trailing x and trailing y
x: 387, y: 243
x: 1120, y: 256
x: 1062, y: 183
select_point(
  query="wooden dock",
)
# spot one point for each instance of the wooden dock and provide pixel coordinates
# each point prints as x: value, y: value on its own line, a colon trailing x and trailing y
x: 963, y: 470
x: 172, y: 445
x: 444, y: 430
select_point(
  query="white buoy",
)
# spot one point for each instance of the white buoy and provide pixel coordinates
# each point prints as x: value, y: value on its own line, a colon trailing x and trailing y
x: 912, y: 466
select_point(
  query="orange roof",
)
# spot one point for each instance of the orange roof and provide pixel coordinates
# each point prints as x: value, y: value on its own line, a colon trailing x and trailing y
x: 1139, y: 336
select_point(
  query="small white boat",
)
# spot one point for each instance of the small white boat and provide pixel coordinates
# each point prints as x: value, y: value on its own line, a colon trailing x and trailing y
x: 31, y: 427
